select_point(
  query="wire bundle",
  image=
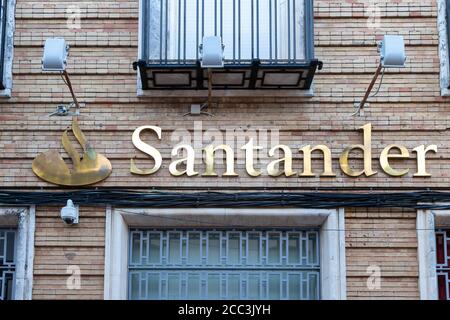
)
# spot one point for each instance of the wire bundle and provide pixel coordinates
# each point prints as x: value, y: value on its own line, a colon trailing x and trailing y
x: 160, y: 199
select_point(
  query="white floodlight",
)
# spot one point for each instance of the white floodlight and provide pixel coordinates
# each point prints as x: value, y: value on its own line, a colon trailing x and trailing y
x: 392, y: 55
x: 212, y: 52
x: 56, y: 51
x: 393, y: 52
x: 55, y: 55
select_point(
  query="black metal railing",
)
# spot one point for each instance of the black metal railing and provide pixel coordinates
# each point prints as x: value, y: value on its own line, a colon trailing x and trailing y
x: 272, y: 31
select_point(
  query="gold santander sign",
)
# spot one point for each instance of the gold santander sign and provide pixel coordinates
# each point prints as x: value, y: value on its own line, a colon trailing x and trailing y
x: 275, y: 167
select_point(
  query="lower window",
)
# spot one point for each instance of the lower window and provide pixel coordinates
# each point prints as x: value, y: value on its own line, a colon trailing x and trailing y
x: 7, y: 263
x: 224, y: 264
x: 443, y: 263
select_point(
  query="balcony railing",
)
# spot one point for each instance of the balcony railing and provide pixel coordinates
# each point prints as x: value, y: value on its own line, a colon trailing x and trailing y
x: 255, y: 33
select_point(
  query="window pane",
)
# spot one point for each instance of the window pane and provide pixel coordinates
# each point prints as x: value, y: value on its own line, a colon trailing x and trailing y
x: 153, y: 286
x: 136, y: 251
x: 174, y: 286
x: 134, y: 295
x: 274, y: 287
x: 213, y: 286
x: 155, y: 248
x: 194, y: 249
x: 233, y: 248
x: 174, y: 248
x: 313, y: 286
x: 233, y: 287
x: 253, y: 249
x: 2, y: 247
x: 312, y: 249
x: 214, y: 249
x: 10, y: 237
x: 294, y: 249
x: 193, y: 286
x: 254, y: 287
x: 294, y: 287
x: 274, y: 248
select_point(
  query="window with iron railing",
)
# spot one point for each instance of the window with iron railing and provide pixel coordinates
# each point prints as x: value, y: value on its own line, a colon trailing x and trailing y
x: 7, y: 263
x: 443, y: 263
x: 260, y: 38
x: 218, y: 264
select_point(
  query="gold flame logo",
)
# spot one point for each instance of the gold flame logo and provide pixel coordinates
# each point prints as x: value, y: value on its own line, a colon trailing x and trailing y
x: 91, y: 168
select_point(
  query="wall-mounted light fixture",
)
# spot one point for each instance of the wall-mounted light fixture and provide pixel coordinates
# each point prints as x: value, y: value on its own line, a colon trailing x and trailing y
x: 211, y: 57
x: 54, y: 59
x: 392, y: 55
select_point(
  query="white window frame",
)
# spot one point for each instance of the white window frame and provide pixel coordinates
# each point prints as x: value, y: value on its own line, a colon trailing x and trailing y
x: 332, y: 238
x: 444, y: 74
x: 428, y: 221
x: 24, y: 220
x: 203, y: 93
x: 9, y: 51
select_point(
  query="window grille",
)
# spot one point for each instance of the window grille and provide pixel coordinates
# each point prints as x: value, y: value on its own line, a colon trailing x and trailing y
x: 268, y: 44
x: 443, y: 263
x: 7, y: 263
x: 217, y: 264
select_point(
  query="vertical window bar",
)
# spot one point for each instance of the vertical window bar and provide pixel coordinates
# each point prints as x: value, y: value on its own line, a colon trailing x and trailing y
x: 294, y: 29
x: 215, y: 17
x: 252, y: 30
x: 276, y: 29
x: 221, y: 19
x: 161, y: 15
x: 270, y: 31
x: 257, y: 28
x: 203, y: 19
x: 239, y: 31
x: 234, y: 31
x: 197, y: 30
x: 184, y: 32
x: 179, y: 31
x: 167, y: 29
x: 289, y: 29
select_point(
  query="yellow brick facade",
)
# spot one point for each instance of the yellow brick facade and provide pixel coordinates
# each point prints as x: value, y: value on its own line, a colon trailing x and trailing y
x: 409, y: 110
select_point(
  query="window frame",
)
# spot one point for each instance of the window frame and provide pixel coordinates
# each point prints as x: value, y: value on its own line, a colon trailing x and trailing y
x: 284, y: 268
x: 330, y: 222
x: 7, y: 50
x: 185, y: 93
x: 8, y: 268
x: 23, y: 219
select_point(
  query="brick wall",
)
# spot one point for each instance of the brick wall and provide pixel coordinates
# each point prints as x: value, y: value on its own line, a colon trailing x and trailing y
x: 58, y: 248
x: 409, y: 110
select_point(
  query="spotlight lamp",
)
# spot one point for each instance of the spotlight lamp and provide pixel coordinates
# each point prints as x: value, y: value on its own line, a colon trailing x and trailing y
x: 56, y: 51
x: 392, y: 55
x: 211, y: 51
x: 211, y: 56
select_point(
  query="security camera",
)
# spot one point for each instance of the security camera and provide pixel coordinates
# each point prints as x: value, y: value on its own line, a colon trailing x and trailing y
x: 69, y: 214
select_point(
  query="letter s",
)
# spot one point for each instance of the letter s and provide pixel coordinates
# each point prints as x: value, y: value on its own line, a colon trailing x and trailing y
x: 147, y: 149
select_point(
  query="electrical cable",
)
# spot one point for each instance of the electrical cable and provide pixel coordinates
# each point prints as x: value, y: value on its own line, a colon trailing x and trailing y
x: 379, y: 85
x: 372, y: 95
x: 162, y: 199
